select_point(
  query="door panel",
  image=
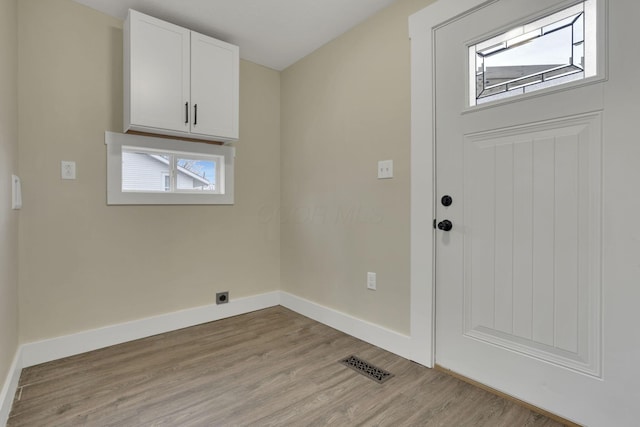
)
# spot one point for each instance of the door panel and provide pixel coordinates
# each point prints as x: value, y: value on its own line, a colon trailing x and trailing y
x: 531, y: 237
x: 522, y: 237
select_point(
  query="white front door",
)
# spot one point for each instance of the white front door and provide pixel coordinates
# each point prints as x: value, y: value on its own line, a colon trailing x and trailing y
x: 519, y: 289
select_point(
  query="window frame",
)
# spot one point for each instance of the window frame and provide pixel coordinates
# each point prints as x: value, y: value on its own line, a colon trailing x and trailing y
x: 115, y: 196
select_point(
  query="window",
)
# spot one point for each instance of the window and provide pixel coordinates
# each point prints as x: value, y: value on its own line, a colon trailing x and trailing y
x: 550, y: 51
x: 147, y: 170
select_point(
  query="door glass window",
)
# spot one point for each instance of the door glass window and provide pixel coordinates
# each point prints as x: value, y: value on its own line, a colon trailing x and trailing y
x: 550, y: 51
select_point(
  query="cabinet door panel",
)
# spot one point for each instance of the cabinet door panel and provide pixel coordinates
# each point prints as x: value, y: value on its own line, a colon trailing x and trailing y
x: 159, y: 61
x: 214, y: 87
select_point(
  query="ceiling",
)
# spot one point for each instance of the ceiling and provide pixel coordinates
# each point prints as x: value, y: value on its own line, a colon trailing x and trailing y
x: 273, y: 33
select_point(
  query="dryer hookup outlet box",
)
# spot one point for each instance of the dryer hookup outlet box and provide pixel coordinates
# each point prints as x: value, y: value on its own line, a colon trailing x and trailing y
x: 222, y: 298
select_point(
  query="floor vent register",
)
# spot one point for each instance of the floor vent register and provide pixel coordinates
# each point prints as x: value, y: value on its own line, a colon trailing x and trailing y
x: 366, y: 369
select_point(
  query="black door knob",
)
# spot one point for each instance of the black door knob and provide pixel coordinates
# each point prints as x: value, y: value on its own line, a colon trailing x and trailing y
x: 445, y: 225
x: 446, y: 200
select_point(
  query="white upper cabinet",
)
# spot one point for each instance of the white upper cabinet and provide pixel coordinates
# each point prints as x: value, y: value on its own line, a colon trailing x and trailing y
x: 214, y: 87
x: 156, y: 75
x: 178, y: 82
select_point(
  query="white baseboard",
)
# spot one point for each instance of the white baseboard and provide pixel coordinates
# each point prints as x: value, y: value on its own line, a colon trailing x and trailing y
x: 10, y: 387
x: 369, y: 332
x: 56, y: 348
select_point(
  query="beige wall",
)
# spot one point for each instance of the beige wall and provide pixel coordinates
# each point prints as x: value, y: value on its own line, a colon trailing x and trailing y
x: 343, y: 108
x: 8, y: 165
x: 83, y: 264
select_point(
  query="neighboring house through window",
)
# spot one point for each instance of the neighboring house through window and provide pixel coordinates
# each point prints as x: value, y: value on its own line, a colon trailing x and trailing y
x: 141, y: 168
x: 166, y: 180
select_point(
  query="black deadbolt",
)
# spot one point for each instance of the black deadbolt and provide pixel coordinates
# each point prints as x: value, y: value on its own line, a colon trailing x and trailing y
x: 446, y: 200
x: 445, y: 225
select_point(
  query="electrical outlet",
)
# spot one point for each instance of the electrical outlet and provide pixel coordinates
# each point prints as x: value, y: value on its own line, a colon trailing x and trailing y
x: 371, y: 281
x: 385, y: 169
x: 68, y: 169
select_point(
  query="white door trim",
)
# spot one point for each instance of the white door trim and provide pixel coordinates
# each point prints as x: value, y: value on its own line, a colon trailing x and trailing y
x: 422, y: 26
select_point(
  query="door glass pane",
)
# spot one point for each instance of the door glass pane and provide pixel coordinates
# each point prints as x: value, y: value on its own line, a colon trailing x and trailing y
x: 542, y: 53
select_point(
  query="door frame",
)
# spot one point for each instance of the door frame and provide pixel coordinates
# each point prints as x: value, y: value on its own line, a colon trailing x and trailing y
x: 422, y: 27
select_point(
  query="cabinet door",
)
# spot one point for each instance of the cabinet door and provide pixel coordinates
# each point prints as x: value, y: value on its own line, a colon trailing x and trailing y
x: 159, y: 74
x: 214, y: 87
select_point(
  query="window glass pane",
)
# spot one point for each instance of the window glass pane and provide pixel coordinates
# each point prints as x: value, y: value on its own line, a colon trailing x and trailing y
x: 144, y: 171
x: 194, y: 174
x: 560, y: 24
x: 578, y: 30
x: 543, y: 53
x: 148, y: 170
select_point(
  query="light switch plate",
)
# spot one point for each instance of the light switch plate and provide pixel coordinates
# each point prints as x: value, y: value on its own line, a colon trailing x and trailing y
x: 68, y: 169
x: 371, y: 280
x: 385, y: 169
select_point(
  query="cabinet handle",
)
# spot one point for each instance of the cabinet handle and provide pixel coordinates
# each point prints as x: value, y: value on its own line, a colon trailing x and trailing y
x: 195, y: 115
x: 186, y: 113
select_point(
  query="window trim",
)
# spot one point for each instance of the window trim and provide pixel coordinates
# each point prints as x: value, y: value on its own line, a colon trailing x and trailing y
x: 115, y: 195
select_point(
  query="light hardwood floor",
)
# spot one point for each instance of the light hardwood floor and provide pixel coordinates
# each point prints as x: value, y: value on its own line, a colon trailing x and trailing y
x: 268, y: 368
